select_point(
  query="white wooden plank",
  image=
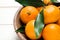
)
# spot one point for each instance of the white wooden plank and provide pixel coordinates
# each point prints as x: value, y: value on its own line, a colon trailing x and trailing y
x: 9, y: 3
x: 7, y: 14
x: 7, y: 32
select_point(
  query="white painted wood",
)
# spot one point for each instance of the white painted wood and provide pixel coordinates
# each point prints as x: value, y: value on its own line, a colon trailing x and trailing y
x: 7, y: 33
x: 9, y: 3
x: 7, y: 14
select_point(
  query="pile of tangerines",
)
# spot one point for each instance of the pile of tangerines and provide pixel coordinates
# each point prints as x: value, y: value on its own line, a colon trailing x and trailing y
x: 51, y: 30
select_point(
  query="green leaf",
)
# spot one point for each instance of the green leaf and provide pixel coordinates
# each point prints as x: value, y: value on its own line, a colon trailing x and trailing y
x: 35, y: 3
x: 54, y: 1
x: 39, y: 24
x: 21, y: 29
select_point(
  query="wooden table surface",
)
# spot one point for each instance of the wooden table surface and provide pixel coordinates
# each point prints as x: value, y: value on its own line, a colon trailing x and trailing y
x: 8, y: 9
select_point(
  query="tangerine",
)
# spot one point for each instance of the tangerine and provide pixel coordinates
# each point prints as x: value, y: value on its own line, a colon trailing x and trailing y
x: 28, y: 13
x: 51, y: 32
x: 51, y: 14
x: 29, y: 30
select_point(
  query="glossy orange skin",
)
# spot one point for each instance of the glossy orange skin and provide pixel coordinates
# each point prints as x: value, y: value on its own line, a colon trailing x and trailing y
x: 51, y: 14
x: 46, y: 1
x: 28, y: 13
x: 51, y: 32
x: 58, y: 22
x: 59, y: 7
x: 29, y: 30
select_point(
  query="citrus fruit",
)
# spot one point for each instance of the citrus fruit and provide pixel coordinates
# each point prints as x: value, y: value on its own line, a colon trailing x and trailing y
x: 39, y: 9
x: 28, y: 13
x: 59, y: 7
x: 51, y: 32
x: 47, y: 1
x: 58, y: 22
x: 29, y: 30
x: 51, y: 14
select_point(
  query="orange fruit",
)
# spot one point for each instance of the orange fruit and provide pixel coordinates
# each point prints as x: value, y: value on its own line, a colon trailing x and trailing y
x: 58, y: 22
x: 28, y: 13
x: 51, y: 14
x: 47, y: 1
x: 51, y: 32
x: 59, y: 7
x: 29, y: 30
x: 39, y: 8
